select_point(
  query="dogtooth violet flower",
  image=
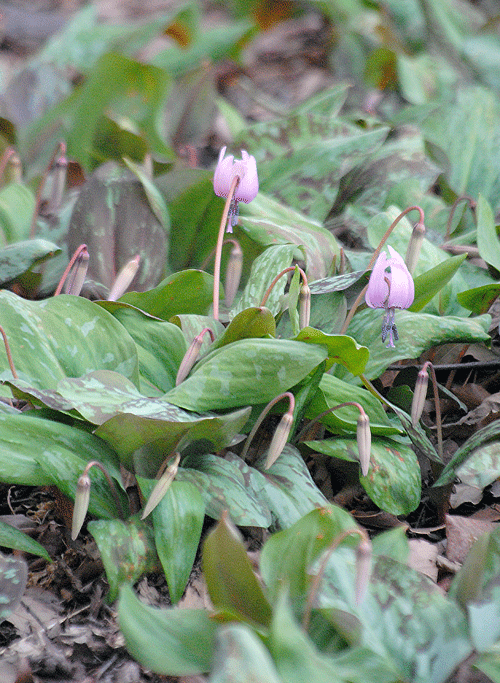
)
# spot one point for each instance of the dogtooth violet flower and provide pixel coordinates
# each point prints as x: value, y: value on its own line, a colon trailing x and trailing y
x: 245, y: 169
x: 390, y: 287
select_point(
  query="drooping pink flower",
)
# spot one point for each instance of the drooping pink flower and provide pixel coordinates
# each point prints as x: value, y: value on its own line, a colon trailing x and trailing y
x: 245, y: 169
x: 390, y: 287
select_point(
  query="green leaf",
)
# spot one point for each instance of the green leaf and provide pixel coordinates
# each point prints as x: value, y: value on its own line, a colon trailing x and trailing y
x: 428, y: 284
x: 287, y: 555
x: 108, y: 87
x: 18, y: 258
x: 230, y: 579
x: 10, y: 537
x: 473, y: 456
x: 240, y: 657
x: 13, y: 576
x: 224, y: 486
x: 189, y: 291
x: 487, y: 236
x: 172, y: 642
x: 17, y: 205
x: 264, y: 269
x: 333, y: 391
x: 254, y: 322
x: 268, y: 222
x: 64, y: 336
x: 417, y: 333
x: 127, y: 551
x: 341, y: 349
x: 393, y: 480
x: 249, y: 371
x: 479, y: 299
x: 177, y: 522
x: 23, y: 437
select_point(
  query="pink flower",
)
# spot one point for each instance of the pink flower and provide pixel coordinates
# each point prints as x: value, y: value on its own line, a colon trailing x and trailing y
x: 390, y: 289
x: 245, y: 169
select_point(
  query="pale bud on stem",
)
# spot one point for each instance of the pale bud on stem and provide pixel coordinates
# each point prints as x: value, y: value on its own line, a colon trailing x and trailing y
x: 364, y: 440
x: 233, y: 273
x: 162, y: 486
x: 124, y: 278
x: 281, y: 434
x: 363, y: 568
x: 58, y: 183
x: 419, y: 395
x: 81, y: 506
x: 78, y: 273
x: 191, y: 355
x: 304, y: 306
x: 414, y: 246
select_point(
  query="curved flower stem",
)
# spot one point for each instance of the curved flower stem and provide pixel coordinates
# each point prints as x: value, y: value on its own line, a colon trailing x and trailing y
x: 312, y: 422
x: 291, y: 399
x: 374, y: 257
x: 4, y: 160
x: 437, y: 408
x: 61, y: 151
x: 319, y: 576
x: 286, y: 270
x: 206, y: 261
x: 9, y: 354
x: 218, y: 248
x: 464, y: 198
x: 79, y: 252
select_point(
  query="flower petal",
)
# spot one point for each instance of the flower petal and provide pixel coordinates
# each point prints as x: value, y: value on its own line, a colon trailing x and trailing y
x: 378, y: 289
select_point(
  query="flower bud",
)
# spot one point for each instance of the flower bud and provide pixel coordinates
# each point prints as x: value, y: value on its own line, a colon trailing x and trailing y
x: 124, y: 278
x: 414, y: 246
x: 363, y: 569
x: 191, y: 356
x: 162, y: 486
x: 81, y: 506
x: 78, y: 273
x: 279, y: 439
x: 364, y: 439
x: 304, y: 306
x: 419, y: 395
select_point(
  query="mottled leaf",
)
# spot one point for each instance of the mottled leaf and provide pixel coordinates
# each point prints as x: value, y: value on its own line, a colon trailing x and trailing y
x: 10, y: 537
x: 13, y: 576
x: 341, y: 349
x: 16, y: 259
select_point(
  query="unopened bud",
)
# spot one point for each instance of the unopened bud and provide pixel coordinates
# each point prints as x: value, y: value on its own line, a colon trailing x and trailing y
x: 81, y: 506
x: 279, y: 439
x: 162, y: 486
x: 233, y: 273
x: 363, y: 569
x: 364, y: 439
x: 414, y: 246
x: 14, y: 169
x: 191, y: 356
x: 304, y: 306
x: 419, y: 395
x: 59, y: 173
x: 124, y: 278
x: 78, y: 273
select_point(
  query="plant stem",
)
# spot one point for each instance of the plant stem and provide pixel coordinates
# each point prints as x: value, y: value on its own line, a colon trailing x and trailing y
x: 9, y: 355
x: 464, y: 198
x: 218, y: 249
x: 81, y: 249
x: 291, y: 399
x: 96, y: 463
x: 286, y: 270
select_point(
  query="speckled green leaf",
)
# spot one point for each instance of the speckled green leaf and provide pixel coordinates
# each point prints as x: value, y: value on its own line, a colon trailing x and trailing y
x: 191, y: 325
x: 393, y: 480
x: 160, y: 346
x: 417, y: 333
x: 416, y: 433
x: 13, y: 576
x: 64, y: 468
x: 333, y: 391
x: 341, y: 349
x: 264, y: 269
x: 249, y: 371
x: 253, y: 322
x: 428, y: 284
x: 477, y: 459
x: 127, y: 550
x: 16, y: 259
x: 177, y: 523
x: 337, y: 283
x: 240, y: 657
x: 231, y: 581
x: 65, y: 336
x: 268, y: 222
x: 23, y: 437
x: 10, y: 537
x: 223, y: 485
x: 302, y: 158
x: 189, y: 291
x: 177, y: 642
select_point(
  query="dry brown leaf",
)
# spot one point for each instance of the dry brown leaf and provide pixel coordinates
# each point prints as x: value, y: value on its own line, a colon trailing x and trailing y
x: 423, y: 557
x: 461, y: 533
